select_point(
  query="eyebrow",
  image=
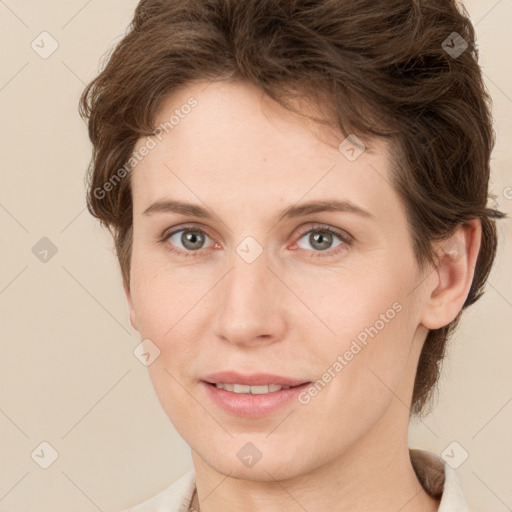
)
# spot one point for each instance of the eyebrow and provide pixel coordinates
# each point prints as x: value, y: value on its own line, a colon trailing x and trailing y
x: 293, y: 211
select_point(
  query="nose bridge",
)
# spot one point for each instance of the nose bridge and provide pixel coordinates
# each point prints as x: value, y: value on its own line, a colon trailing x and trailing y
x: 250, y: 308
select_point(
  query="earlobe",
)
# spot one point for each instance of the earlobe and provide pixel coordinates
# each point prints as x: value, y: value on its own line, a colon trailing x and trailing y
x: 131, y: 311
x: 454, y: 275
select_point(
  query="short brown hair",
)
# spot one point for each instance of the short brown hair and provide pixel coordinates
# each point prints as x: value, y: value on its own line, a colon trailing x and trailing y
x: 382, y: 69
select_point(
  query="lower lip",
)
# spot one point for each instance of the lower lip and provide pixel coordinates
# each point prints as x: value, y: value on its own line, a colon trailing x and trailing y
x: 246, y: 405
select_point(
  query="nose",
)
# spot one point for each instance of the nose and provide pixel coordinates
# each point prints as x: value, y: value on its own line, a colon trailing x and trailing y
x: 252, y: 304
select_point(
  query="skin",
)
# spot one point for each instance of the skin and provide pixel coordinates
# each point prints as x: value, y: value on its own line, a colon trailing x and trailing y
x: 290, y: 312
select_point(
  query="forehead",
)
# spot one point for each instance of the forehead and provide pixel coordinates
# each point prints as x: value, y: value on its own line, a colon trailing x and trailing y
x: 227, y: 143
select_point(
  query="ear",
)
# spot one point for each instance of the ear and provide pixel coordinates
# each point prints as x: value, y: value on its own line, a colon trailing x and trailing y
x: 452, y: 278
x: 130, y: 306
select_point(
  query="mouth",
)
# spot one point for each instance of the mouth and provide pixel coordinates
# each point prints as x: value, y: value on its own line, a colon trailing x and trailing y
x: 245, y: 389
x: 256, y: 401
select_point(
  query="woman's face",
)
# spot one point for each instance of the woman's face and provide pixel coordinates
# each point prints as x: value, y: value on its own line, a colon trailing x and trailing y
x: 250, y: 290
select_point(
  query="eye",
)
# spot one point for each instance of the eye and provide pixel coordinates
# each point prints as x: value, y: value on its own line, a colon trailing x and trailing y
x: 188, y: 241
x: 191, y: 239
x: 321, y: 238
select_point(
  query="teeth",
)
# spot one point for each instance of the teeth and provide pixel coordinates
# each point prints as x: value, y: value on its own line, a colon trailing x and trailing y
x: 253, y: 390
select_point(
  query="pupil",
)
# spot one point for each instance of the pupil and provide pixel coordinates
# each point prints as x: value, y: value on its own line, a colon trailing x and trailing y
x: 319, y: 236
x: 192, y: 237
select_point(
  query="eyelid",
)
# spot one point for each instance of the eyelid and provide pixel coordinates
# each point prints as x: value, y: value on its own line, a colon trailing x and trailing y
x: 344, y: 235
x: 170, y: 231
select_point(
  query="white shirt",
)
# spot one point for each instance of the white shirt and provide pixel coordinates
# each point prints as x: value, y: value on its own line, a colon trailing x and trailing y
x: 437, y: 477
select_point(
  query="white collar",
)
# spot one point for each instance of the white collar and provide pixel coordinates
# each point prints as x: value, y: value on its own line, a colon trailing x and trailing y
x: 439, y: 479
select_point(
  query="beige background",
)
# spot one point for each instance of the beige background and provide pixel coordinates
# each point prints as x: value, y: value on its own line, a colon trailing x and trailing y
x: 68, y: 375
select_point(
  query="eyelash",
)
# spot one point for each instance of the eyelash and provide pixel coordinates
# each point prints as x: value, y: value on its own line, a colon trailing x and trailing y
x: 344, y: 237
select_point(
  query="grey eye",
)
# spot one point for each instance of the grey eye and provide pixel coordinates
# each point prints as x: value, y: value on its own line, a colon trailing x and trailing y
x: 320, y: 239
x: 191, y: 239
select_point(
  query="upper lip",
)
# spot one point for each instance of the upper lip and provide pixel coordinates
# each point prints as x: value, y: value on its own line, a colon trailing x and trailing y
x: 256, y: 379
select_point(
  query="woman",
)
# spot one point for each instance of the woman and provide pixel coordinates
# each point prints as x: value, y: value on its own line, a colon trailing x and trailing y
x: 297, y: 193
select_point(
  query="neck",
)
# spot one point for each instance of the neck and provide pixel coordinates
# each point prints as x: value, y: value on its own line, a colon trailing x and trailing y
x: 373, y: 475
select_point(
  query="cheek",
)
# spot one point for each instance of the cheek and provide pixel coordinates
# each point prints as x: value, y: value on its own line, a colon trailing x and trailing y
x: 370, y: 315
x: 160, y: 295
x: 360, y: 302
x: 362, y: 371
x: 172, y: 310
x: 162, y: 310
x: 374, y: 345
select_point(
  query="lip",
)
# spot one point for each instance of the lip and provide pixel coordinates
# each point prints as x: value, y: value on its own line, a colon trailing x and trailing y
x: 251, y: 406
x: 256, y: 379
